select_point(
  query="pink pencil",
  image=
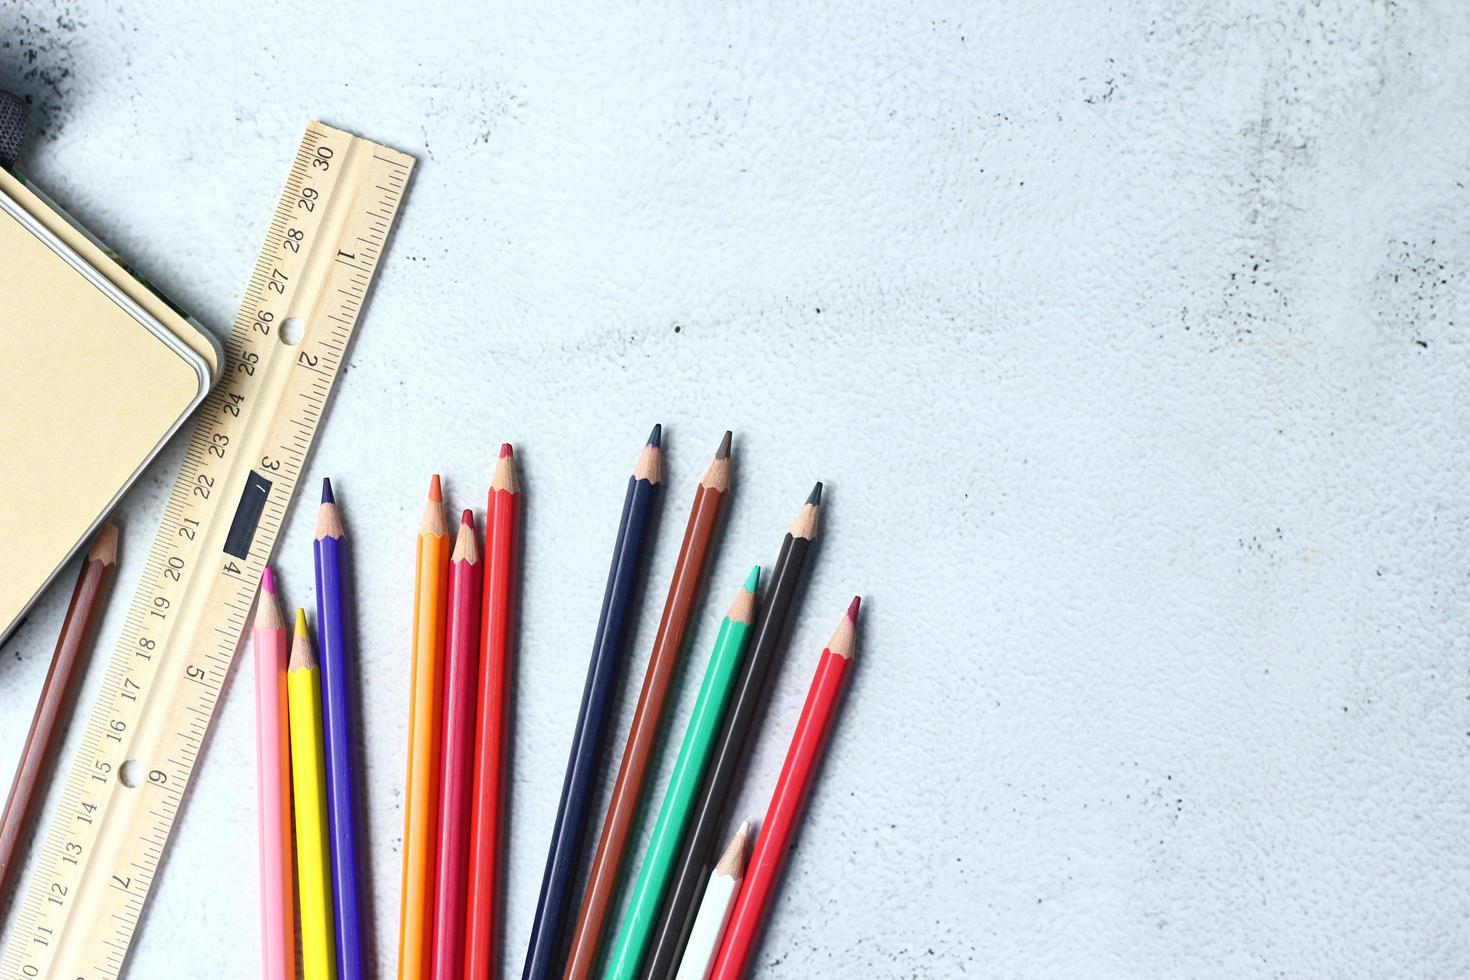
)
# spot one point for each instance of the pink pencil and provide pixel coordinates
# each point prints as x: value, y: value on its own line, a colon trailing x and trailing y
x: 273, y: 784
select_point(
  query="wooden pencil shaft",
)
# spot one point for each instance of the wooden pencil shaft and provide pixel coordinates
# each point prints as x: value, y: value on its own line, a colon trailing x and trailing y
x: 714, y: 912
x: 421, y: 797
x: 502, y: 545
x: 313, y: 861
x: 778, y: 830
x: 709, y: 925
x: 83, y: 613
x: 636, y: 931
x: 548, y: 929
x: 698, y: 854
x: 607, y: 864
x: 338, y: 716
x: 273, y: 790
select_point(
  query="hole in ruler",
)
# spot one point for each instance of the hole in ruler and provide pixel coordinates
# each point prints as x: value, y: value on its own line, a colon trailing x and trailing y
x: 293, y: 330
x: 131, y: 773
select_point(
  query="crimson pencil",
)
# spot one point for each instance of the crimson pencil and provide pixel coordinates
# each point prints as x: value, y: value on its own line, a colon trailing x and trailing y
x: 787, y: 802
x: 482, y: 918
x: 456, y: 756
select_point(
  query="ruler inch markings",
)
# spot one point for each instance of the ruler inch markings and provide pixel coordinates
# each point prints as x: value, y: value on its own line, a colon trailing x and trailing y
x: 102, y: 848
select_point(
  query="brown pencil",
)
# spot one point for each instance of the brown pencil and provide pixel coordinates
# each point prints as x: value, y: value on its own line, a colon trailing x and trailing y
x: 668, y: 643
x: 87, y: 602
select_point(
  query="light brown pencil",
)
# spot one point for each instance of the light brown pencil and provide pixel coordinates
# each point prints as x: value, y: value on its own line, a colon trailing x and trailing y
x: 663, y: 662
x: 87, y: 601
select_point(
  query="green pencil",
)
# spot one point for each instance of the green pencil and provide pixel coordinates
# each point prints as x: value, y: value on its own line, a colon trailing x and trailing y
x: 694, y: 755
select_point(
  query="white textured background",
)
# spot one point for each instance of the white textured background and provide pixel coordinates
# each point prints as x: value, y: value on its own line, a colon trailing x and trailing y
x: 1129, y: 339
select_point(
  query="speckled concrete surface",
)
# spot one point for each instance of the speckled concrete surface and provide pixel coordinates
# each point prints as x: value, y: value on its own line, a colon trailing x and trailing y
x: 1127, y: 336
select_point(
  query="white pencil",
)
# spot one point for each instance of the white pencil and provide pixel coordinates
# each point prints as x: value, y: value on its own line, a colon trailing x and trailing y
x: 714, y: 909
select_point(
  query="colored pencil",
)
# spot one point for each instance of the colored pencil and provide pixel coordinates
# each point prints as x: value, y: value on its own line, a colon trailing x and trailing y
x: 698, y: 854
x: 431, y: 591
x: 308, y: 779
x: 778, y: 830
x: 456, y: 753
x: 88, y: 599
x: 684, y: 588
x: 714, y: 909
x: 502, y: 530
x: 333, y: 627
x: 689, y: 769
x: 548, y: 929
x: 273, y: 787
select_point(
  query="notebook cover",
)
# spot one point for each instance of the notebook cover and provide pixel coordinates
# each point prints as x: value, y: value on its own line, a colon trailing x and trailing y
x: 73, y: 236
x: 92, y: 383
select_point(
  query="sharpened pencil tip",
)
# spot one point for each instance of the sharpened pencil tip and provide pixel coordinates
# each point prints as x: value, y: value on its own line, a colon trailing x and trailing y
x: 303, y: 657
x: 465, y: 548
x: 742, y: 610
x: 717, y: 476
x: 432, y: 523
x: 805, y: 525
x: 328, y: 520
x: 104, y: 545
x: 650, y: 459
x: 844, y: 638
x: 327, y: 497
x: 732, y: 860
x: 505, y: 477
x: 268, y: 604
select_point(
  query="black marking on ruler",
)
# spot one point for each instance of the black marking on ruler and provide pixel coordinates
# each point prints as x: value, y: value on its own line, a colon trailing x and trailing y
x: 247, y: 515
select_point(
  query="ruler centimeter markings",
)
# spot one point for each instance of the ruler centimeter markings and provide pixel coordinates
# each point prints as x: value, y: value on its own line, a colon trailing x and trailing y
x: 244, y: 456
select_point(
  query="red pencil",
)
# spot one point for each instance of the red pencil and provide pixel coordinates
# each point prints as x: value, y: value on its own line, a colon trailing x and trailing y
x: 779, y: 827
x: 482, y: 926
x: 461, y: 663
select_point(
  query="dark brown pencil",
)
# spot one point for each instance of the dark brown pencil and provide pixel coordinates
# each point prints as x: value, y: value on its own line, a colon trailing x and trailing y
x: 699, y: 853
x: 622, y: 808
x: 77, y: 630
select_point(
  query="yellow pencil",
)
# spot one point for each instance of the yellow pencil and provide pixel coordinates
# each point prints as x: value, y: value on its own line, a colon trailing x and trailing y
x: 313, y: 869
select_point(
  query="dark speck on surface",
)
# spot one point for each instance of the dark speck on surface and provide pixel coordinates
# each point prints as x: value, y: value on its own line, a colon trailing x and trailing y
x: 40, y: 49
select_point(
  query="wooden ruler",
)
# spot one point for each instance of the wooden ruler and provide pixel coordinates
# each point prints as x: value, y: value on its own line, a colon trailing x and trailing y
x: 247, y: 450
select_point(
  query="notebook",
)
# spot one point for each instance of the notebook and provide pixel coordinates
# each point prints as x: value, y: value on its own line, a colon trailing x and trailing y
x: 97, y: 371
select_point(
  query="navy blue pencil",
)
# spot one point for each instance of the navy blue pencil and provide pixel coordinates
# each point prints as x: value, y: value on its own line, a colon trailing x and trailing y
x: 548, y: 932
x: 335, y: 653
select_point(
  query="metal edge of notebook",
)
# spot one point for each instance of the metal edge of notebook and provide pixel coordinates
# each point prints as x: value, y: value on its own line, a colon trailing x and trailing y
x: 150, y: 323
x: 101, y: 246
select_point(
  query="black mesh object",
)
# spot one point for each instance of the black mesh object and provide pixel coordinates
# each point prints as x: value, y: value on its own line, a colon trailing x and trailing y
x: 13, y: 115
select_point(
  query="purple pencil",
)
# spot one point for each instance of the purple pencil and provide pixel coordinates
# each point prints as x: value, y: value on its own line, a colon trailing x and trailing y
x: 333, y: 625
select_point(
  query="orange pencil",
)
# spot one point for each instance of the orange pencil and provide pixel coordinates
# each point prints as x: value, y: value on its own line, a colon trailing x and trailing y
x: 431, y: 590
